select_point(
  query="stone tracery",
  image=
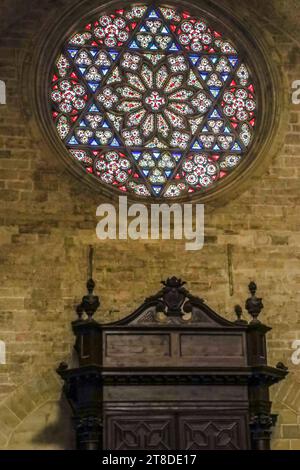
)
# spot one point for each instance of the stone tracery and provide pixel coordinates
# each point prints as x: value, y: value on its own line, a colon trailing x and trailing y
x: 145, y: 81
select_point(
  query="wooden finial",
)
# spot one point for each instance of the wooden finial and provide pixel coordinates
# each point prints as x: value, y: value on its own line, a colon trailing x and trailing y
x: 254, y: 304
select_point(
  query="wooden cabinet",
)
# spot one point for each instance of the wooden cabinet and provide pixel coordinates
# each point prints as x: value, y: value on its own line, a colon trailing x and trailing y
x: 172, y: 375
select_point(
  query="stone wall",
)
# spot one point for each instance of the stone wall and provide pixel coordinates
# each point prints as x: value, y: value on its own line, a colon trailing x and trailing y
x: 47, y: 221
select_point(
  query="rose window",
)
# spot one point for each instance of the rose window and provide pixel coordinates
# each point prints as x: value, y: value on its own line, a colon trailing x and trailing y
x: 154, y: 101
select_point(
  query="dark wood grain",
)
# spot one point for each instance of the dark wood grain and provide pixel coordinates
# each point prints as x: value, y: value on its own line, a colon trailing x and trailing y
x: 172, y: 375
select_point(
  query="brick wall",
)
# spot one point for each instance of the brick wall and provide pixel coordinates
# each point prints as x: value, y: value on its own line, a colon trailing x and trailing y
x: 47, y: 221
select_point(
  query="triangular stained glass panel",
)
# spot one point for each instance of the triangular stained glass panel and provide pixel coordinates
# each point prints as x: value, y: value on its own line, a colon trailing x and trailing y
x: 153, y: 34
x: 94, y: 86
x: 152, y: 14
x: 197, y: 145
x: 136, y: 155
x: 115, y: 143
x: 214, y: 91
x: 133, y: 45
x: 72, y: 52
x: 236, y: 147
x: 157, y: 190
x: 73, y: 141
x: 114, y: 55
x: 94, y: 130
x: 93, y: 109
x: 194, y: 59
x: 215, y: 114
x: 233, y: 61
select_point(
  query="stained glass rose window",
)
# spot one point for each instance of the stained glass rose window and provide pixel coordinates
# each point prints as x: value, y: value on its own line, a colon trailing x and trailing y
x: 153, y: 101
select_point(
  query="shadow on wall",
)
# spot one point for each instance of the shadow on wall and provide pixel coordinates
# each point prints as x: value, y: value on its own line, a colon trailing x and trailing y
x: 49, y: 427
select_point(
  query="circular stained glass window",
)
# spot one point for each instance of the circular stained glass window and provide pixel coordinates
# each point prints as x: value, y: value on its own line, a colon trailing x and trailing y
x: 153, y: 101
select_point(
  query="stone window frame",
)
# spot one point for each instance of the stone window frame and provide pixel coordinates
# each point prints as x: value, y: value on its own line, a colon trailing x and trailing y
x: 262, y: 57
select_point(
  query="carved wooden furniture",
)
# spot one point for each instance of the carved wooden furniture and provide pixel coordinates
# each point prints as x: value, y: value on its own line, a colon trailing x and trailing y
x: 172, y: 375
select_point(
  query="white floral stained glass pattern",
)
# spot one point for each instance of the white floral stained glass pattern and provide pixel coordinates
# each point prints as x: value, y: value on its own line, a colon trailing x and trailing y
x: 154, y: 101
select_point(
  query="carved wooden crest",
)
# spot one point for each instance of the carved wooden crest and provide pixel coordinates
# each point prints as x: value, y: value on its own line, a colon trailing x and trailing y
x: 174, y: 304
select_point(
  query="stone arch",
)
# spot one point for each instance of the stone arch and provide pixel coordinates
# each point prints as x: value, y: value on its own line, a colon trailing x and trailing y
x: 35, y: 416
x: 286, y: 403
x: 48, y: 427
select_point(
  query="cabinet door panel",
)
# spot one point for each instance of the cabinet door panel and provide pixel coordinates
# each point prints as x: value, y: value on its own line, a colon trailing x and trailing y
x: 147, y: 431
x: 208, y: 432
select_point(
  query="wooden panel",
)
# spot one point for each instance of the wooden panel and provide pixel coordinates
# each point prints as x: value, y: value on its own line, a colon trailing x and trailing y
x: 167, y: 429
x: 213, y: 432
x: 212, y: 348
x: 136, y: 347
x: 173, y: 349
x: 234, y: 395
x: 140, y: 432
